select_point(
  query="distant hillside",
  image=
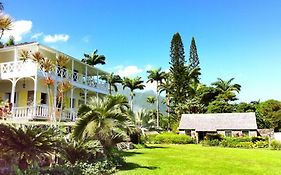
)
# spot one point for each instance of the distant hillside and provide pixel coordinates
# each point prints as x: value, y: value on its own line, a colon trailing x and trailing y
x: 140, y: 99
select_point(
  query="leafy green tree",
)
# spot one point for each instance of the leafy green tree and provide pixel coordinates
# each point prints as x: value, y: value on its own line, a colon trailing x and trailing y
x: 156, y: 75
x: 190, y: 106
x: 112, y: 80
x: 246, y: 107
x: 94, y: 58
x: 11, y: 41
x: 150, y: 99
x: 103, y: 120
x: 193, y: 55
x: 220, y: 106
x: 226, y: 89
x: 133, y: 84
x: 269, y: 114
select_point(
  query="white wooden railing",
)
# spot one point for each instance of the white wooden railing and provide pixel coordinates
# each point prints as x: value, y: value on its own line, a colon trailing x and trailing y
x: 40, y: 112
x: 17, y: 69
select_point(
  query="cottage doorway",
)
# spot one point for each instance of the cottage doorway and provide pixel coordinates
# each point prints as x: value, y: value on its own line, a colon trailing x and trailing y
x: 201, y: 135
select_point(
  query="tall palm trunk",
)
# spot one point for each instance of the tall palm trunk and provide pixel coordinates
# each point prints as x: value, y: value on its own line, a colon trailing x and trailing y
x: 157, y: 105
x: 132, y: 97
x: 109, y: 89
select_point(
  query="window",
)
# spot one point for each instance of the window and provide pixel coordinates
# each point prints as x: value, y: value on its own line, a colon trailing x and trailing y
x: 43, y: 98
x: 61, y: 72
x: 30, y: 97
x: 188, y: 132
x: 75, y: 75
x: 8, y: 97
x: 73, y: 103
x: 228, y: 133
x: 245, y: 133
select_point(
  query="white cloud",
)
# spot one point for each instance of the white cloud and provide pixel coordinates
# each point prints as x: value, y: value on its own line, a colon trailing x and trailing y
x: 127, y: 71
x: 56, y: 38
x: 36, y: 35
x: 148, y: 67
x: 150, y: 86
x: 19, y: 29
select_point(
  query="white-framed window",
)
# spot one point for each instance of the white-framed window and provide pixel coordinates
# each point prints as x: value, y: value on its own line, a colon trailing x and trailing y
x: 245, y: 133
x: 228, y: 133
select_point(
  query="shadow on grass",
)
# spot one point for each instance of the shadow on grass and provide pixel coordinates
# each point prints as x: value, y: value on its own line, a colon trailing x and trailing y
x: 132, y: 166
x: 131, y: 153
x: 155, y: 147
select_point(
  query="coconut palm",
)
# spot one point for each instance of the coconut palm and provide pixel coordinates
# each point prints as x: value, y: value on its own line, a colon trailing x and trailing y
x: 5, y: 24
x: 156, y: 75
x: 94, y: 58
x: 112, y: 80
x: 62, y: 60
x: 103, y: 120
x: 133, y: 84
x: 24, y: 55
x: 226, y: 89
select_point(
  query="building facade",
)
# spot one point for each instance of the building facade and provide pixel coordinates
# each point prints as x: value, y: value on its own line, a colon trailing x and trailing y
x: 23, y: 84
x: 226, y: 124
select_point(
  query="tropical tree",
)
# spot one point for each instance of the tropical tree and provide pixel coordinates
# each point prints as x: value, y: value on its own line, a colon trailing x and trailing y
x: 193, y: 55
x: 28, y: 144
x: 5, y: 24
x: 132, y: 84
x: 94, y: 58
x: 156, y: 75
x: 112, y: 80
x: 150, y: 99
x: 103, y: 120
x: 226, y: 89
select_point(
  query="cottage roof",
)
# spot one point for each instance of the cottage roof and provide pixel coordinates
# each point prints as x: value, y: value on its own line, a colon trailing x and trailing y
x: 219, y: 121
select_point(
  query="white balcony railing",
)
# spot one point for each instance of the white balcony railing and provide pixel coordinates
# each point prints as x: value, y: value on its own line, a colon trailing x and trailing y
x: 17, y: 69
x: 28, y: 68
x: 41, y: 112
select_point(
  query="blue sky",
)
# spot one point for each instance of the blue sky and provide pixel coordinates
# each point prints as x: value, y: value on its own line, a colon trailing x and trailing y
x: 237, y: 38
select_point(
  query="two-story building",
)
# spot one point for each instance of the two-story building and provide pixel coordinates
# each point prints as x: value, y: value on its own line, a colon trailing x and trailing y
x: 22, y: 83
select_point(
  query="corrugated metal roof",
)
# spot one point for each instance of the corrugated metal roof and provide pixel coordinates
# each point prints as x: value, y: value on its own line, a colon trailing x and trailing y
x: 219, y: 121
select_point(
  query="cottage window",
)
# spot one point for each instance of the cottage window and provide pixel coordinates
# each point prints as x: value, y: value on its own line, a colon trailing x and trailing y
x: 245, y: 133
x: 228, y: 133
x: 43, y: 98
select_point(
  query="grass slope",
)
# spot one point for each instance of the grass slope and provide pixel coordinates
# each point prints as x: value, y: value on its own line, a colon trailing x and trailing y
x: 198, y: 160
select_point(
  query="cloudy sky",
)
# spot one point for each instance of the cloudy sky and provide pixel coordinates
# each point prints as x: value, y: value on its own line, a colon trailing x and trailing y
x: 238, y: 38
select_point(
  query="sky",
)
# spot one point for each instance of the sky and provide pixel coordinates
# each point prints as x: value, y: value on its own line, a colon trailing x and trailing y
x: 234, y: 38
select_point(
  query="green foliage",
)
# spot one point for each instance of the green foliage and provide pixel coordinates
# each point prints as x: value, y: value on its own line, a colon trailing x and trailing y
x: 261, y: 144
x: 215, y: 136
x: 169, y: 138
x: 214, y: 142
x: 276, y: 145
x: 193, y: 55
x: 269, y: 113
x: 94, y: 58
x: 219, y: 106
x: 112, y: 80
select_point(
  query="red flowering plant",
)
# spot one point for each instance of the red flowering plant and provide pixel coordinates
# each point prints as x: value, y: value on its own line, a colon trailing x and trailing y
x: 49, y: 81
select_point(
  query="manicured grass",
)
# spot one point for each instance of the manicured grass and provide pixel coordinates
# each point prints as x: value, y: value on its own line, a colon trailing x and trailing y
x: 199, y: 160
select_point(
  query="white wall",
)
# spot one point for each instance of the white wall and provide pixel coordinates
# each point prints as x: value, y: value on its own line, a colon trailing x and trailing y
x: 277, y: 136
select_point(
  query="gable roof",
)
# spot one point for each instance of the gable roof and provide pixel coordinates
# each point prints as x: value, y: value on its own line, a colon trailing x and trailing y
x: 218, y: 121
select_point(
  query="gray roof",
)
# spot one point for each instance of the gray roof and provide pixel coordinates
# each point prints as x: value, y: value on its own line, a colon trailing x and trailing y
x: 219, y: 121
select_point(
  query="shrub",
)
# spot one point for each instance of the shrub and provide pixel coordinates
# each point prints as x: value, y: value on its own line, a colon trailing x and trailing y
x: 261, y: 144
x: 255, y: 139
x: 245, y: 145
x: 169, y: 138
x: 215, y: 136
x: 214, y: 142
x: 276, y: 145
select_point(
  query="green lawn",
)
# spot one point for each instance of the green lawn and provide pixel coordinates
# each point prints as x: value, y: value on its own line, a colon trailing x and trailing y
x: 196, y: 159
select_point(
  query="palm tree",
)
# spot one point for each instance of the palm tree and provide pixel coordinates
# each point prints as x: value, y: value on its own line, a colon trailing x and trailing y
x: 150, y: 99
x: 158, y: 76
x: 132, y: 84
x: 192, y: 77
x: 24, y: 55
x: 226, y: 89
x: 103, y: 120
x: 111, y: 79
x: 94, y: 59
x: 5, y: 24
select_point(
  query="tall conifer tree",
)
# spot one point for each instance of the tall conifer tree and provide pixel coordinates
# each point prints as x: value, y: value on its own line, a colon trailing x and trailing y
x: 193, y: 56
x: 178, y: 69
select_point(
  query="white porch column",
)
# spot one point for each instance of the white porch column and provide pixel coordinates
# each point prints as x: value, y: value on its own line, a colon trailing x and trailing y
x: 85, y: 96
x: 12, y: 100
x: 15, y: 53
x: 72, y: 69
x: 35, y: 92
x: 71, y: 98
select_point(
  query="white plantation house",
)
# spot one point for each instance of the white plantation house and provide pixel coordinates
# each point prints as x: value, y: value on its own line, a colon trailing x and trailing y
x: 22, y: 84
